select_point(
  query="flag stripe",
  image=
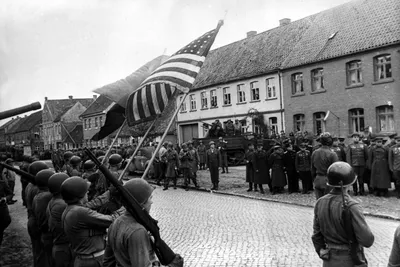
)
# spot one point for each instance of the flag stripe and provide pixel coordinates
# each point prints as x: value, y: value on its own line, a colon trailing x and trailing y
x: 186, y: 56
x: 187, y: 60
x: 177, y: 80
x: 154, y: 96
x: 139, y: 103
x: 160, y: 91
x: 145, y: 103
x: 175, y: 74
x: 150, y: 100
x: 178, y: 65
x: 177, y: 70
x: 135, y: 106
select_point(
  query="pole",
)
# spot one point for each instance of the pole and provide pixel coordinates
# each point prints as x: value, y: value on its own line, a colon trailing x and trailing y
x: 136, y: 150
x: 164, y: 135
x: 112, y: 143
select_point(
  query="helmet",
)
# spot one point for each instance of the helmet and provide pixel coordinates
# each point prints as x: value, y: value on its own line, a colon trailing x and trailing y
x: 88, y: 165
x: 68, y: 155
x: 55, y: 181
x: 139, y: 189
x: 75, y: 160
x: 42, y: 177
x: 341, y: 173
x: 37, y: 166
x: 73, y: 189
x: 326, y: 139
x: 115, y: 159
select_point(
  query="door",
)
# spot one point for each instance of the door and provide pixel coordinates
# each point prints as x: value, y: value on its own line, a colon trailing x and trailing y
x: 189, y: 132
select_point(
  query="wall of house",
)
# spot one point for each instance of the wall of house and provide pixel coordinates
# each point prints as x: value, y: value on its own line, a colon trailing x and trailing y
x: 338, y: 97
x: 90, y: 129
x: 72, y: 115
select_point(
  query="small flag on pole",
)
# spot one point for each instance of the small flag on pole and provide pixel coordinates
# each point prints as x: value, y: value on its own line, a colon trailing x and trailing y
x: 176, y: 73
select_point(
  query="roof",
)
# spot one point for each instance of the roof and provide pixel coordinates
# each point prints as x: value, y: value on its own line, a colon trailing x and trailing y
x: 5, y: 125
x: 29, y: 122
x: 75, y: 131
x: 59, y: 106
x: 99, y: 105
x: 356, y: 26
x: 13, y: 129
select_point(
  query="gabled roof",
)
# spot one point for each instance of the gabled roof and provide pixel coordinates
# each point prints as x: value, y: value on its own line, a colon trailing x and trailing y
x: 18, y: 124
x: 99, y: 105
x: 30, y: 122
x: 59, y: 106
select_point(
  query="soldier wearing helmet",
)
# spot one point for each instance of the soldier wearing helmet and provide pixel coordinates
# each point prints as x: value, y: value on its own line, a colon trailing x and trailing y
x: 84, y: 227
x: 321, y: 159
x: 170, y: 157
x: 62, y: 254
x: 90, y: 174
x: 5, y: 196
x: 66, y: 168
x: 329, y: 236
x: 129, y: 243
x: 357, y: 156
x: 76, y: 163
x: 39, y: 207
x: 9, y: 177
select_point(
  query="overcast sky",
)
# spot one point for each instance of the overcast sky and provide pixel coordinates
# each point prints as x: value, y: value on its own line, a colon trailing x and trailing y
x: 57, y: 48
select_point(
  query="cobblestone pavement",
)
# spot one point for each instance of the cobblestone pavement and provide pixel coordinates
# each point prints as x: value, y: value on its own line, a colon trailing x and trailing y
x: 216, y: 230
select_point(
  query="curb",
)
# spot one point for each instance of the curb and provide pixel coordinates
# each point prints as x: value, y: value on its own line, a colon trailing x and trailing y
x: 381, y: 216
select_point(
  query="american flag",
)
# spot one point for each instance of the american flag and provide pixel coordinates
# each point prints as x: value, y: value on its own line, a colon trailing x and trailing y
x: 176, y: 73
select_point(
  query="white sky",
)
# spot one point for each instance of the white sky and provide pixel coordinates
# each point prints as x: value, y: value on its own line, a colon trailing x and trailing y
x: 57, y: 48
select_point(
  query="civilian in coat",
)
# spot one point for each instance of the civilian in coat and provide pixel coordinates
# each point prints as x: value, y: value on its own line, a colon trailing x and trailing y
x: 290, y: 167
x: 278, y: 176
x: 261, y: 168
x: 213, y: 160
x: 249, y: 168
x: 224, y: 154
x: 380, y: 175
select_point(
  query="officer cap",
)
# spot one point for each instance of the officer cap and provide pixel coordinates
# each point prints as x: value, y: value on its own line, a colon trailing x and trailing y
x: 75, y: 160
x: 212, y: 143
x: 335, y: 138
x: 88, y: 165
x: 115, y: 159
x: 392, y: 135
x: 42, y: 177
x: 73, y: 189
x: 37, y: 166
x: 355, y: 134
x: 341, y: 139
x: 55, y: 181
x: 139, y: 189
x: 341, y: 173
x: 68, y: 155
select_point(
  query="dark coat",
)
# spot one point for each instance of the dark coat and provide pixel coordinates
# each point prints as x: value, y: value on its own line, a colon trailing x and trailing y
x: 171, y: 158
x: 185, y: 159
x: 380, y: 175
x: 249, y: 166
x: 224, y: 154
x: 195, y: 159
x: 261, y: 168
x: 201, y: 149
x: 213, y: 158
x: 278, y: 176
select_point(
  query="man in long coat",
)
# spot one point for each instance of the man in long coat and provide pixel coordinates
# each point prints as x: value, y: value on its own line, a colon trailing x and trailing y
x: 201, y: 150
x: 224, y: 154
x: 278, y: 176
x: 261, y: 168
x: 394, y: 164
x: 213, y: 160
x: 195, y: 161
x: 380, y: 175
x: 249, y: 168
x: 170, y: 158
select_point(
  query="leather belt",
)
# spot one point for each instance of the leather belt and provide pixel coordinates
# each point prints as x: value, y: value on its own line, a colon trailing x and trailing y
x: 338, y: 247
x: 91, y: 256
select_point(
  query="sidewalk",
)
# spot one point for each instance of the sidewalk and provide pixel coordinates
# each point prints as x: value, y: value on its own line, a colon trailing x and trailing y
x: 234, y: 183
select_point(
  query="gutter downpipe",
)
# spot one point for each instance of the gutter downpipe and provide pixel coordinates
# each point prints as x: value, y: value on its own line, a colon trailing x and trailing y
x: 281, y: 99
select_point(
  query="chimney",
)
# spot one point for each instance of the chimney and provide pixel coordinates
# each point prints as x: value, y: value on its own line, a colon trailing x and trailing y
x: 251, y: 34
x: 94, y: 97
x: 284, y: 22
x: 70, y: 97
x: 45, y: 98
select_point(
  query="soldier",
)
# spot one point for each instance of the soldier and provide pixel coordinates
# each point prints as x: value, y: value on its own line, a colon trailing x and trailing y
x: 5, y: 196
x: 289, y: 158
x: 24, y: 181
x: 342, y: 144
x: 129, y: 243
x: 39, y: 207
x: 62, y: 254
x: 66, y: 168
x: 56, y: 159
x: 201, y: 150
x: 9, y: 177
x: 102, y: 183
x: 213, y: 159
x: 278, y: 176
x: 161, y: 165
x: 185, y: 159
x: 391, y: 141
x: 340, y: 152
x: 76, y: 163
x: 92, y: 176
x: 261, y: 168
x: 170, y: 157
x: 367, y: 170
x: 330, y: 238
x: 30, y: 192
x: 303, y: 167
x: 380, y: 176
x: 321, y: 159
x: 238, y: 127
x: 357, y: 156
x: 224, y: 154
x: 249, y: 157
x: 394, y: 164
x: 195, y: 161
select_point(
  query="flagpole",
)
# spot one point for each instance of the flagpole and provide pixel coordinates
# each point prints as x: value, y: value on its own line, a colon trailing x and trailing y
x: 163, y: 137
x: 136, y: 150
x: 113, y: 142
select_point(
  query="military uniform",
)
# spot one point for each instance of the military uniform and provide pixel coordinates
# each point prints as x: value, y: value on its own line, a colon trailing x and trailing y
x: 340, y: 152
x: 303, y: 166
x: 171, y: 160
x: 224, y: 155
x: 321, y: 159
x: 380, y: 175
x: 261, y: 170
x: 394, y: 165
x: 250, y: 169
x: 357, y: 156
x: 31, y: 191
x: 278, y: 176
x: 185, y: 159
x: 201, y: 150
x: 213, y: 159
x: 290, y: 167
x: 5, y: 196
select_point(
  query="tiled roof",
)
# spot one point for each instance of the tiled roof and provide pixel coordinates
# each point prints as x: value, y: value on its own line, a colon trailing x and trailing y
x: 99, y: 105
x: 18, y: 124
x: 29, y: 122
x: 356, y: 26
x: 59, y: 106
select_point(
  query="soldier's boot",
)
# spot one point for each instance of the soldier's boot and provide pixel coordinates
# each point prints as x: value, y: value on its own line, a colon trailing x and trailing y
x: 196, y: 185
x: 165, y: 187
x: 261, y: 189
x: 223, y: 169
x: 175, y: 183
x: 226, y: 169
x: 255, y: 188
x: 213, y: 187
x: 216, y: 186
x: 250, y: 187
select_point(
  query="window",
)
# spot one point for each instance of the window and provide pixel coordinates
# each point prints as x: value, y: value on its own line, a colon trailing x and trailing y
x: 385, y: 118
x: 353, y: 70
x: 204, y: 100
x: 244, y: 126
x: 356, y: 117
x: 254, y: 91
x: 297, y: 83
x: 214, y: 100
x: 241, y: 93
x: 317, y: 80
x: 227, y: 96
x: 383, y: 67
x: 96, y: 122
x: 183, y: 106
x: 85, y: 124
x: 319, y: 123
x: 101, y: 121
x: 273, y: 125
x: 299, y: 122
x: 271, y: 91
x: 192, y: 98
x: 89, y: 123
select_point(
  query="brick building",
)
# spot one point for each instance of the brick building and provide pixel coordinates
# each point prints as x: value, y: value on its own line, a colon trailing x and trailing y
x: 343, y: 75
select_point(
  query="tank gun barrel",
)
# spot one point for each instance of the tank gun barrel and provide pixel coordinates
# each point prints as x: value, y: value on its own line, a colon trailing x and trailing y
x: 16, y: 111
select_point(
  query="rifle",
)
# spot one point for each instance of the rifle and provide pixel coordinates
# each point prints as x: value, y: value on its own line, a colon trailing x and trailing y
x: 25, y: 175
x: 348, y: 227
x: 162, y: 250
